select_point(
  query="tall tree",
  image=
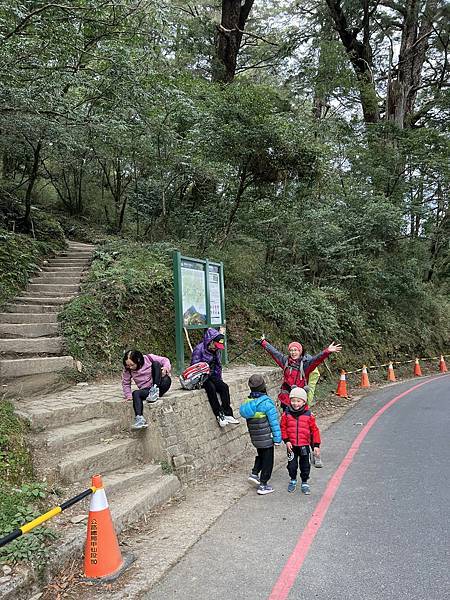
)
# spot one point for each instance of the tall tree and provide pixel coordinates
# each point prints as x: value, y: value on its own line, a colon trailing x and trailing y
x: 229, y: 34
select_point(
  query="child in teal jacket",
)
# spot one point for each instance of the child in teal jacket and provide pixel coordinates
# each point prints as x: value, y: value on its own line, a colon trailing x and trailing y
x: 264, y: 430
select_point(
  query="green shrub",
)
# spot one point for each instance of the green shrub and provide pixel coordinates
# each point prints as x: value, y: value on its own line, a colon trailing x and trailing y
x: 15, y: 461
x: 21, y: 498
x: 19, y: 258
x: 126, y: 301
x: 17, y: 507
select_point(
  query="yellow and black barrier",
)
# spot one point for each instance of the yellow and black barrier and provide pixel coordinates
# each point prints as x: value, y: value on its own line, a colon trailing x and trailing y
x: 396, y: 362
x: 45, y: 517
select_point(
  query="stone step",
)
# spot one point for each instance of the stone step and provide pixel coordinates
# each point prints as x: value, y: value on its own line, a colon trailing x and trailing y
x: 26, y: 318
x: 128, y: 506
x: 18, y: 367
x: 51, y: 289
x: 33, y: 309
x: 30, y: 386
x: 49, y: 300
x: 60, y: 271
x: 76, y: 436
x: 99, y: 458
x: 67, y: 262
x: 47, y: 412
x: 51, y: 345
x: 51, y: 278
x: 122, y: 480
x: 29, y: 330
x: 47, y: 294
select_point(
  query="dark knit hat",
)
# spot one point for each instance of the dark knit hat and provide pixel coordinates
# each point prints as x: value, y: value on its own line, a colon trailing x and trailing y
x: 257, y: 384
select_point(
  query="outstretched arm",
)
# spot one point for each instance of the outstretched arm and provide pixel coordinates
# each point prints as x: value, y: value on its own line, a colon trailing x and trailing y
x: 276, y: 355
x: 309, y: 364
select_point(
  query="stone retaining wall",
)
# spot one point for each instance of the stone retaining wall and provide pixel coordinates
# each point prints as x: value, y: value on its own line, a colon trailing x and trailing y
x: 183, y: 430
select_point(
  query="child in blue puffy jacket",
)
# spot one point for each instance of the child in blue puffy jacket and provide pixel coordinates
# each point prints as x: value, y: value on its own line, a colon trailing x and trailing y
x: 264, y: 430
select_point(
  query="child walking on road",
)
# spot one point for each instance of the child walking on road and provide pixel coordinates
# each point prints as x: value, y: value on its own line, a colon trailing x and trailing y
x: 299, y: 432
x: 264, y: 430
x: 151, y: 373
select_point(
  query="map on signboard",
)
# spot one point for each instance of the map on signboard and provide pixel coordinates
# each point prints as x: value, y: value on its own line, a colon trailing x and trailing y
x: 193, y: 293
x: 214, y: 295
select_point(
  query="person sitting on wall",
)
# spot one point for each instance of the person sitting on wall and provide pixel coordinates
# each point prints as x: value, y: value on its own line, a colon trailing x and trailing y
x: 151, y: 374
x: 209, y: 351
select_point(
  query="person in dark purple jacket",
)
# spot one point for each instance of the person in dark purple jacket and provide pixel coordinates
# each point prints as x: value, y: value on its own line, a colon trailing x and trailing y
x: 209, y: 351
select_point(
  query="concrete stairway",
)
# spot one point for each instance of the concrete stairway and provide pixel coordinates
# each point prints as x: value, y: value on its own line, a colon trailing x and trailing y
x: 84, y: 431
x: 30, y: 344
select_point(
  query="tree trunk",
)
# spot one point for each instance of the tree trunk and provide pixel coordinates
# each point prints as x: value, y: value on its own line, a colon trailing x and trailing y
x: 228, y: 38
x: 403, y: 87
x: 360, y: 55
x: 31, y: 182
x: 243, y: 184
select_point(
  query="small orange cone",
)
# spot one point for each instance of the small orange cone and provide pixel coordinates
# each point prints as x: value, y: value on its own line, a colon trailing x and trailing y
x: 364, y: 378
x: 102, y: 556
x: 417, y: 369
x: 342, y: 386
x: 391, y: 374
x: 442, y: 365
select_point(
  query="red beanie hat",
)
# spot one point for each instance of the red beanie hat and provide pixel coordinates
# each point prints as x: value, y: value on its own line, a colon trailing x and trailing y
x: 296, y: 345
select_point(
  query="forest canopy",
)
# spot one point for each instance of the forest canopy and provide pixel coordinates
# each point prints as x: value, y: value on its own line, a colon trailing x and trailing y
x: 311, y: 134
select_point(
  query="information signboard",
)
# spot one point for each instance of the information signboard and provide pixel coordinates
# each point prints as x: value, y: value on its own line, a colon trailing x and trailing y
x: 199, y: 298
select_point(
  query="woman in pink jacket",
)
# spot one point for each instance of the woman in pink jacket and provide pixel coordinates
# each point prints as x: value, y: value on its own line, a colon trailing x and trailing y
x: 151, y: 374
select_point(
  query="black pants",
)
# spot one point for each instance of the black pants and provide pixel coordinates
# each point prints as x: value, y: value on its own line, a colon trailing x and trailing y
x: 263, y: 464
x: 301, y: 459
x: 214, y: 386
x: 163, y: 383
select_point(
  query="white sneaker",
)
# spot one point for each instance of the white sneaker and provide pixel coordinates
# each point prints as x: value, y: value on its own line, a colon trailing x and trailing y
x: 139, y: 423
x: 222, y: 421
x: 230, y: 419
x: 153, y: 395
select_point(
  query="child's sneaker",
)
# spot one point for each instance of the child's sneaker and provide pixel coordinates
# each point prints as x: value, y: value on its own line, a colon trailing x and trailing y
x: 306, y: 489
x: 254, y: 479
x: 139, y: 423
x: 153, y: 395
x: 230, y: 419
x: 292, y: 485
x: 221, y: 420
x: 318, y: 462
x: 264, y: 489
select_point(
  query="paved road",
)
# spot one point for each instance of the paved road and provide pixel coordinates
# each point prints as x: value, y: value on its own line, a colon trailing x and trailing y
x: 385, y: 535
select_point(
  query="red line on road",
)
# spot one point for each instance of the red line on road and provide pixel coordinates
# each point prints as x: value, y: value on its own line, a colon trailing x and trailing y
x: 294, y: 563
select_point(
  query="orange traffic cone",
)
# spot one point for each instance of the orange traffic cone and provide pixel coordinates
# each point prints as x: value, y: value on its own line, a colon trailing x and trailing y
x: 102, y: 556
x: 364, y: 378
x: 417, y: 369
x: 442, y: 365
x: 342, y: 386
x: 391, y: 374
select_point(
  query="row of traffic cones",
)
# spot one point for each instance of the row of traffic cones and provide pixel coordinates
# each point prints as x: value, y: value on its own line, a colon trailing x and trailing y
x: 365, y: 383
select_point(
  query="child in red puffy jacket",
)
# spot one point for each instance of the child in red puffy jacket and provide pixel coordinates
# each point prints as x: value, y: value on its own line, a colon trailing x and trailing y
x: 299, y: 431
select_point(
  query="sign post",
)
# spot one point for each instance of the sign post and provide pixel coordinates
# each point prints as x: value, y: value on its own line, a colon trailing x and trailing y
x: 199, y: 298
